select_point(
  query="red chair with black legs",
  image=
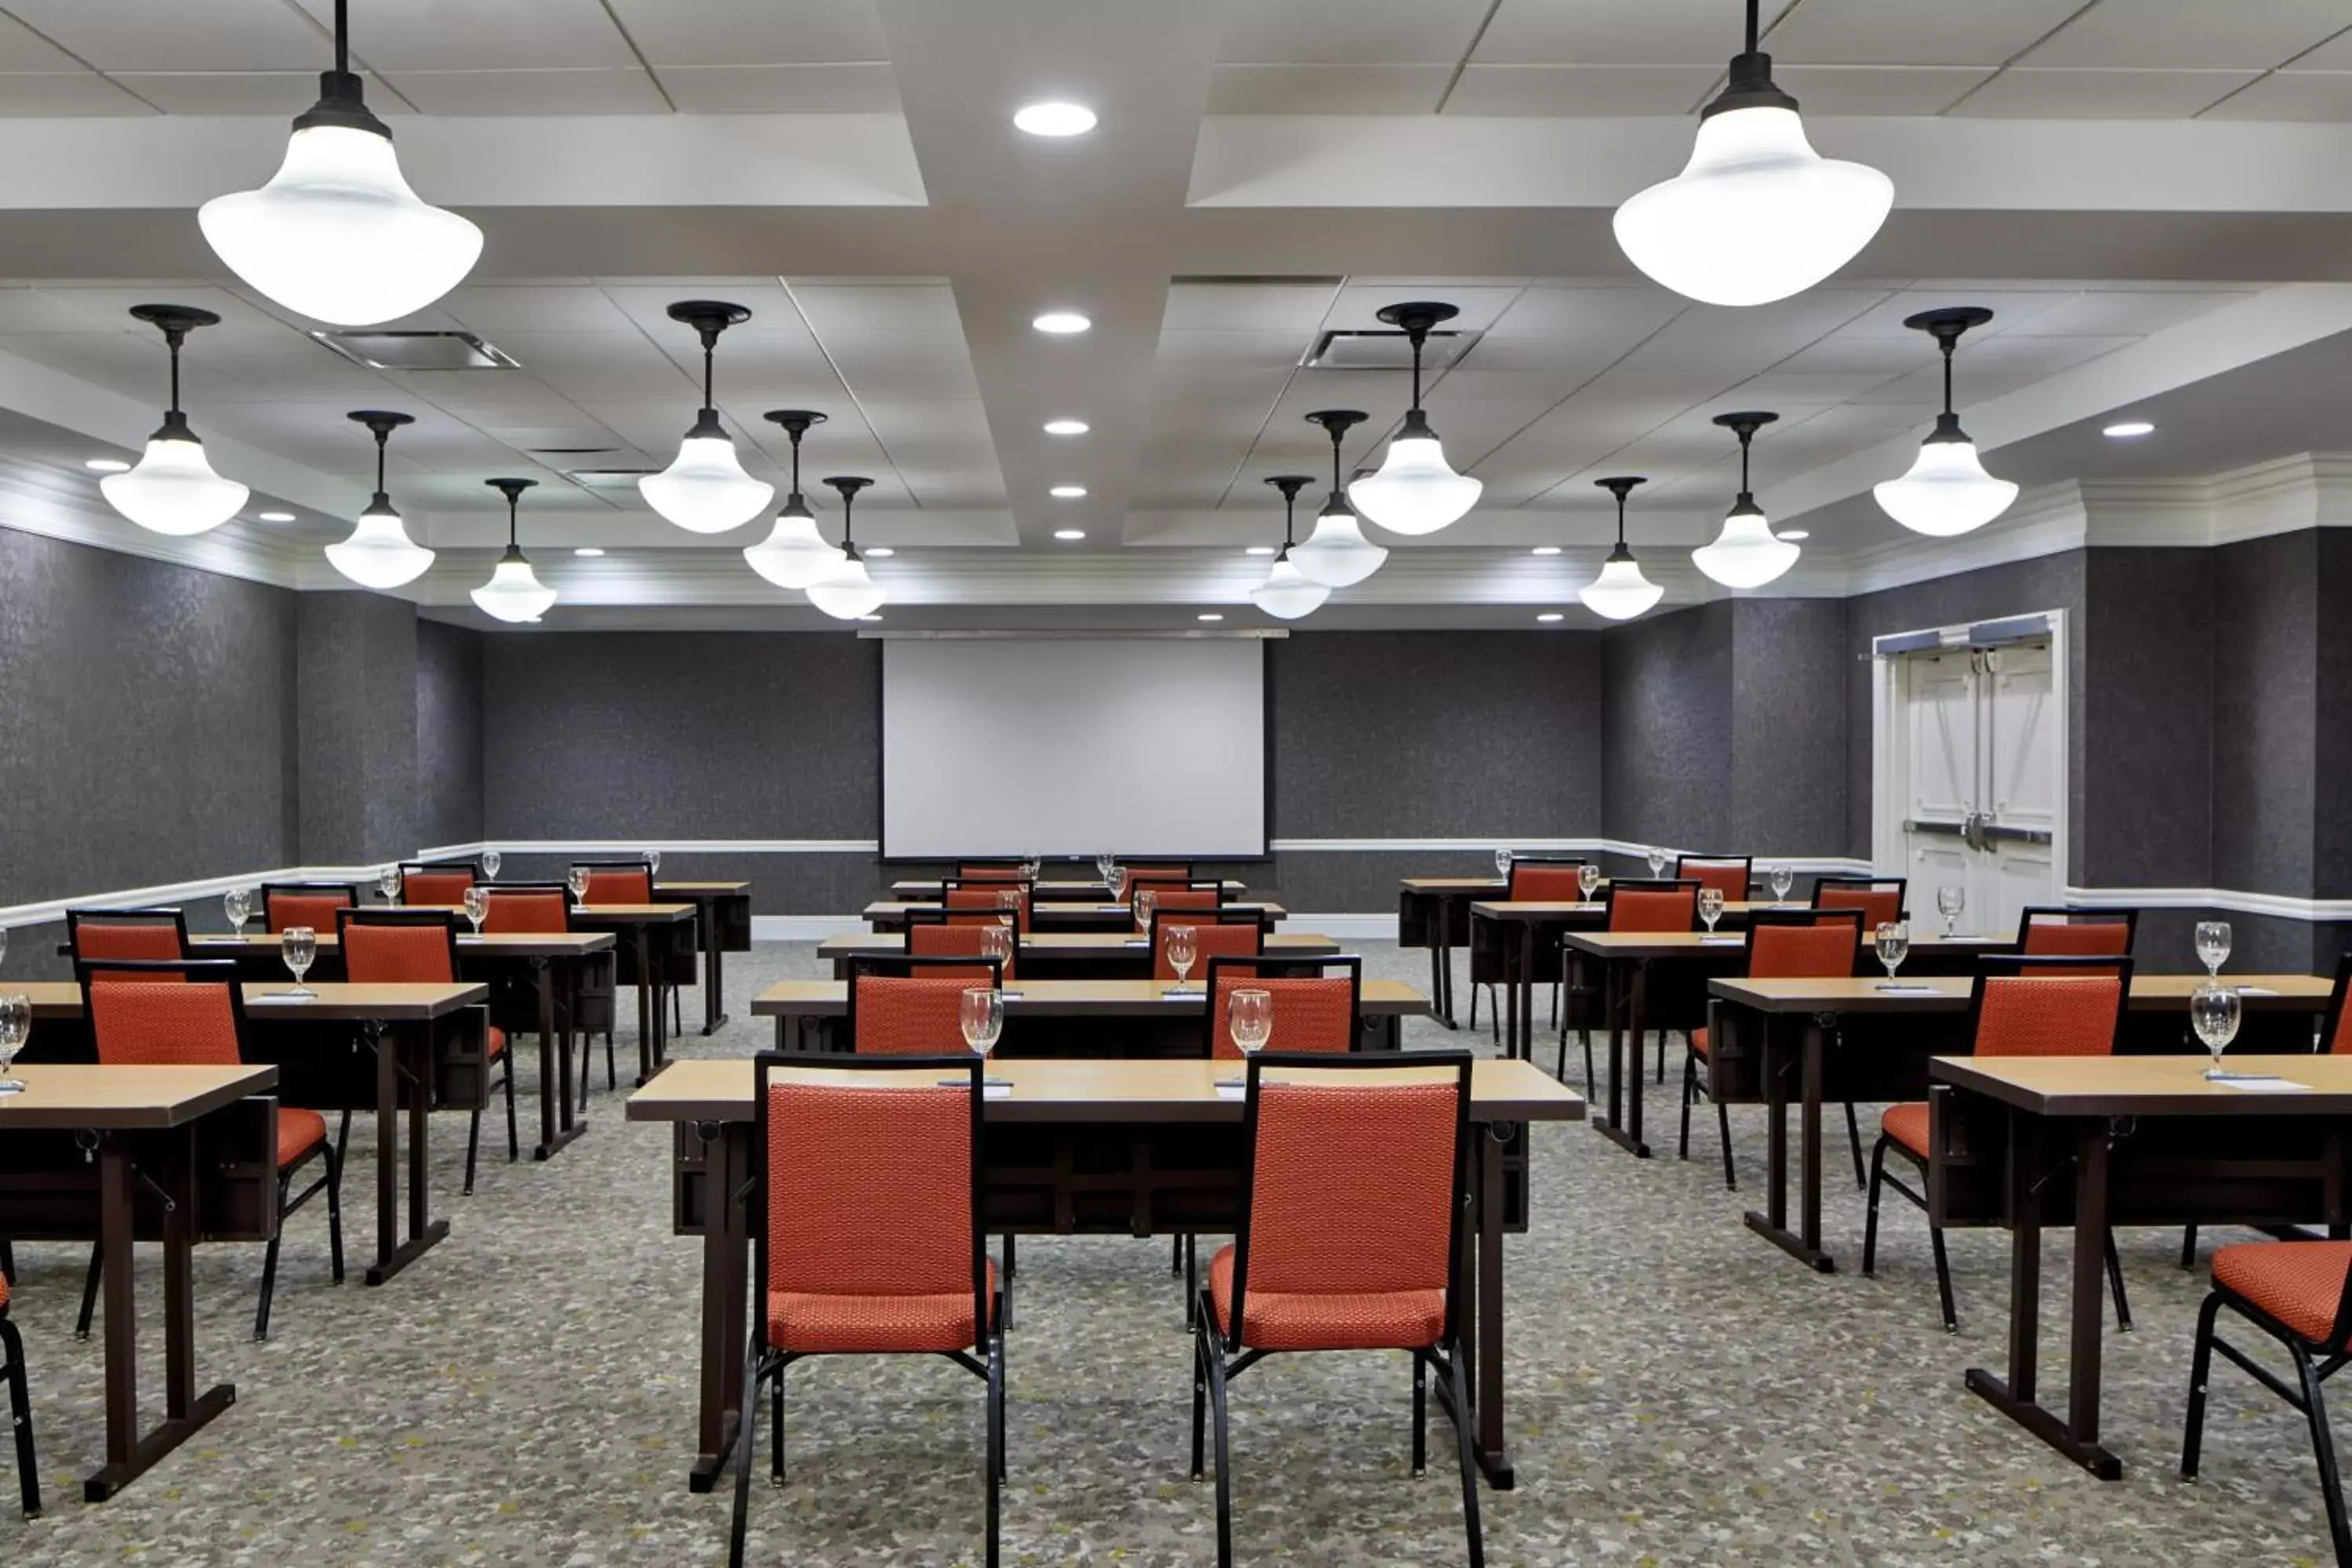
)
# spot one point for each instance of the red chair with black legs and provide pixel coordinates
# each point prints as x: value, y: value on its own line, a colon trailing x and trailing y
x: 156, y: 934
x: 192, y: 1012
x: 2078, y: 933
x: 2019, y: 1007
x: 890, y: 1263
x: 419, y: 947
x: 904, y: 1006
x: 968, y: 899
x: 1726, y: 874
x: 311, y: 904
x: 932, y: 934
x: 1541, y: 879
x: 544, y: 909
x: 20, y: 1407
x: 1782, y: 944
x: 1351, y: 1209
x: 436, y: 884
x: 1880, y: 899
x: 1215, y: 935
x: 1637, y: 904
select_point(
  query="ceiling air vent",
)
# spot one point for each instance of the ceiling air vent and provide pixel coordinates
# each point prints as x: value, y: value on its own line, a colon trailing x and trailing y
x: 418, y: 351
x: 1381, y: 350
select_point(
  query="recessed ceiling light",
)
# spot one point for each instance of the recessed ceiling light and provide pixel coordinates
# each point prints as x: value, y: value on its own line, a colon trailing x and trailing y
x: 1067, y: 427
x: 275, y: 516
x: 880, y: 551
x: 1546, y: 550
x: 1054, y: 119
x: 1259, y: 550
x: 1209, y: 617
x: 2124, y: 431
x: 1069, y: 533
x: 590, y: 551
x: 1068, y: 492
x: 1548, y: 617
x: 1061, y: 323
x: 105, y: 464
x: 1795, y: 535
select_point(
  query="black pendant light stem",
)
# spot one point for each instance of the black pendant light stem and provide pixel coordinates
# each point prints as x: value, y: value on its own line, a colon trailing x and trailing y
x: 381, y: 422
x: 512, y: 490
x: 1337, y: 423
x: 708, y: 317
x: 1290, y: 485
x: 1745, y: 427
x: 172, y: 337
x: 1414, y: 319
x: 1749, y: 84
x: 1621, y: 487
x: 848, y: 486
x: 344, y: 36
x: 175, y: 322
x: 797, y: 423
x: 1946, y: 326
x: 341, y: 101
x: 1755, y: 33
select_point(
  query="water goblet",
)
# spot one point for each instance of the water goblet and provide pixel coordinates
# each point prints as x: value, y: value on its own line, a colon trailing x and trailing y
x: 653, y: 862
x: 1780, y: 877
x: 478, y: 906
x: 387, y: 882
x: 237, y: 905
x: 1249, y: 1015
x: 492, y: 861
x: 1893, y: 940
x: 1657, y: 859
x: 1710, y: 907
x: 1588, y: 879
x: 299, y: 945
x: 996, y: 942
x: 1951, y: 902
x: 15, y: 1025
x: 1182, y: 944
x: 982, y: 1016
x: 1145, y: 903
x: 2214, y: 1010
x: 578, y: 882
x: 2213, y: 945
x: 1503, y: 863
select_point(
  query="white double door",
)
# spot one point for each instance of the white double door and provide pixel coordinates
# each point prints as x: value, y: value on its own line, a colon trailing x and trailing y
x: 1979, y: 751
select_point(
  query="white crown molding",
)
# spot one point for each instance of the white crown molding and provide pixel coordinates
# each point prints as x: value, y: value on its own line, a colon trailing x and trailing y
x: 35, y: 501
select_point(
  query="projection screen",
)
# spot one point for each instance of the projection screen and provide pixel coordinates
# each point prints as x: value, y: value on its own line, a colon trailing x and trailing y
x: 1072, y: 746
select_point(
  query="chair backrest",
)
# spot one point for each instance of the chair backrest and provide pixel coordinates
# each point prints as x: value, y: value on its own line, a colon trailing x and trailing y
x: 1312, y: 1012
x: 311, y: 904
x: 2032, y: 1006
x: 538, y: 907
x: 437, y: 883
x: 1798, y: 944
x: 1352, y: 1189
x: 932, y: 934
x: 1640, y: 905
x: 127, y: 933
x: 1215, y: 935
x: 991, y: 871
x: 2336, y: 1027
x: 1880, y: 899
x: 1727, y: 874
x: 1158, y: 871
x: 1545, y: 881
x: 187, y: 1012
x: 618, y: 881
x: 2077, y: 933
x: 1187, y: 895
x: 398, y: 947
x: 986, y: 895
x: 869, y: 1180
x: 903, y: 1006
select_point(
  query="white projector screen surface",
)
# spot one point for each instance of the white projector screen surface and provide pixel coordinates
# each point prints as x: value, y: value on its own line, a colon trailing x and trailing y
x: 1072, y: 746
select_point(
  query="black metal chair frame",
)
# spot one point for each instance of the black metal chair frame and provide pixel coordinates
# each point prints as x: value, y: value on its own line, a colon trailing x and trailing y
x: 350, y: 890
x: 223, y: 972
x: 638, y: 863
x: 1992, y: 966
x: 160, y: 915
x: 905, y: 966
x: 1511, y: 892
x: 1609, y: 903
x: 1212, y: 1369
x: 764, y: 1363
x: 20, y: 1413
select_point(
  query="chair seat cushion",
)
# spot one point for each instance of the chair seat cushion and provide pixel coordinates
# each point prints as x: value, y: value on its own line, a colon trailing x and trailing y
x: 1907, y: 1125
x: 817, y: 1323
x: 498, y: 1042
x: 4, y: 1292
x: 1698, y: 1040
x: 298, y: 1133
x: 1352, y: 1321
x: 2300, y: 1283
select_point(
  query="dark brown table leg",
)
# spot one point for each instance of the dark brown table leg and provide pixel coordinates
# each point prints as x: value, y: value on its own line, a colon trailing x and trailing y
x: 1441, y: 961
x: 556, y: 1126
x: 1772, y: 1224
x: 725, y: 1285
x: 661, y: 997
x: 1629, y: 1073
x: 1615, y: 1123
x: 411, y: 1044
x: 643, y: 940
x: 714, y: 964
x: 1487, y: 1444
x: 1522, y: 1046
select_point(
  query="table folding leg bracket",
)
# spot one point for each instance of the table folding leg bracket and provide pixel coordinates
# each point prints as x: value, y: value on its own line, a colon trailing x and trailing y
x: 407, y: 1045
x: 1625, y: 1072
x: 557, y: 1125
x: 1805, y: 1244
x: 714, y: 964
x: 726, y: 1285
x: 1482, y: 1313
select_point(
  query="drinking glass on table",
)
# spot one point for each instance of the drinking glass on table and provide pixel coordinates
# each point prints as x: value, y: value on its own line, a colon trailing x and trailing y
x: 1951, y: 902
x: 299, y: 945
x: 996, y: 941
x: 578, y: 882
x: 492, y: 861
x: 981, y: 1015
x: 1894, y: 939
x: 1780, y: 877
x: 1103, y: 863
x: 15, y: 1025
x: 2214, y: 1010
x: 237, y: 905
x: 1588, y: 879
x: 1008, y: 899
x: 653, y: 862
x: 1710, y: 907
x: 1116, y: 882
x: 387, y: 882
x: 1145, y: 903
x: 1182, y: 945
x: 2213, y: 945
x: 1249, y: 1015
x: 1503, y: 863
x: 478, y: 906
x: 1657, y: 859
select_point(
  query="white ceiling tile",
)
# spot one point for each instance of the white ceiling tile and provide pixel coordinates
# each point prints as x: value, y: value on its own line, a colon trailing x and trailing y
x: 278, y: 94
x: 1262, y: 351
x: 2182, y: 35
x: 2117, y: 311
x: 752, y: 32
x: 1775, y: 387
x: 1350, y: 32
x: 2335, y: 54
x: 219, y: 35
x: 1997, y: 365
x: 1328, y: 89
x: 2010, y: 310
x: 1567, y: 91
x: 830, y: 307
x: 466, y: 35
x: 648, y: 304
x: 851, y: 87
x: 2323, y: 97
x: 1295, y: 309
x: 1360, y: 302
x: 1614, y: 32
x: 1913, y: 32
x: 487, y: 308
x: 2021, y: 93
x: 22, y: 49
x: 25, y: 95
x: 1878, y: 90
x: 629, y: 91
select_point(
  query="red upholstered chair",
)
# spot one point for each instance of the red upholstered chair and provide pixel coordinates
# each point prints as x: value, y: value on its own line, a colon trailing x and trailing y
x: 20, y: 1406
x: 192, y: 1012
x: 1215, y: 935
x: 419, y: 947
x: 436, y: 884
x: 1782, y: 944
x: 311, y: 904
x: 540, y: 908
x: 912, y: 1006
x: 2077, y: 933
x: 932, y: 934
x: 991, y: 871
x: 2019, y: 1007
x: 158, y: 934
x: 1158, y: 871
x: 1638, y: 904
x: 1349, y: 1240
x: 1880, y: 899
x: 1170, y: 895
x: 618, y: 881
x: 987, y: 894
x: 1727, y: 873
x: 1541, y: 879
x: 865, y: 1235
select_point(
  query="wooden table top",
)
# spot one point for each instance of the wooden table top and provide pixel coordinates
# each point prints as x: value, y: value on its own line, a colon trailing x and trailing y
x: 1680, y: 943
x: 1043, y: 888
x: 896, y: 908
x: 1073, y: 944
x: 1045, y: 998
x: 1935, y: 993
x: 1454, y: 885
x: 493, y: 944
x: 2151, y: 1085
x: 59, y: 1095
x: 699, y: 889
x: 708, y: 1090
x: 383, y: 1004
x: 1547, y: 909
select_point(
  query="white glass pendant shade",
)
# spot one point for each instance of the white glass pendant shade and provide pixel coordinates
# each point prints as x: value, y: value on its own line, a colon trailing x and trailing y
x: 1336, y: 554
x: 337, y: 234
x: 1287, y: 593
x: 705, y: 489
x: 514, y: 591
x: 173, y: 490
x: 850, y: 592
x: 1416, y: 490
x: 795, y: 554
x: 1755, y: 215
x: 1746, y: 554
x: 1621, y: 592
x: 379, y: 553
x: 1948, y: 492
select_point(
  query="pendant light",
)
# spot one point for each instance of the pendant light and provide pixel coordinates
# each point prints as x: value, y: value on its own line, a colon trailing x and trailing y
x: 1287, y: 593
x: 514, y: 591
x: 1336, y: 554
x: 1948, y: 490
x: 849, y: 593
x: 1755, y: 215
x: 337, y: 234
x: 1747, y: 554
x: 173, y: 490
x: 705, y: 489
x: 1621, y: 592
x: 1415, y: 492
x: 379, y: 553
x: 795, y: 554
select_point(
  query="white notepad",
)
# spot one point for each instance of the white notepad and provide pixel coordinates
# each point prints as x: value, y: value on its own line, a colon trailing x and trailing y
x: 2256, y: 991
x: 2263, y: 1084
x: 1232, y: 1091
x: 278, y: 996
x: 1904, y: 988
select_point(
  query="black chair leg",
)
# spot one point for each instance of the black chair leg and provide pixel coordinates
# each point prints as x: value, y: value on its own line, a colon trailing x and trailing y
x: 2189, y: 1247
x: 20, y: 1416
x: 2323, y: 1447
x: 1588, y: 1062
x: 1662, y: 1058
x: 1420, y: 1413
x: 1474, y: 1535
x: 750, y: 1408
x: 1944, y: 1278
x: 2201, y: 1366
x: 612, y: 1074
x: 343, y: 1135
x: 1223, y: 1440
x: 1175, y: 1256
x: 776, y: 1430
x: 514, y: 1135
x: 1690, y: 1092
x: 995, y: 1459
x: 1723, y: 1131
x: 1870, y: 1224
x: 1200, y: 1394
x: 473, y: 1144
x: 335, y: 1212
x: 2115, y: 1284
x: 1853, y: 1140
x: 88, y: 1292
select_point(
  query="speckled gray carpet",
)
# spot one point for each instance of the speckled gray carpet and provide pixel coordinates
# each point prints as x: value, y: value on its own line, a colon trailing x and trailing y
x: 1680, y: 1392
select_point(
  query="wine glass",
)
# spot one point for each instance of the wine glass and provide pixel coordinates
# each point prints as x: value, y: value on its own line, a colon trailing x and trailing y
x: 492, y: 861
x: 2213, y: 1011
x: 1249, y: 1014
x: 1009, y: 899
x: 1780, y: 877
x: 1503, y: 863
x: 653, y: 862
x: 578, y: 882
x: 981, y: 1015
x: 1116, y: 882
x: 1145, y: 903
x: 1588, y: 879
x: 1103, y: 863
x: 996, y: 941
x: 478, y: 906
x: 1182, y: 944
x: 387, y: 882
x: 1893, y: 938
x: 15, y: 1024
x: 237, y: 904
x: 299, y: 945
x: 2213, y: 945
x: 1657, y: 859
x: 1710, y: 907
x: 1951, y: 902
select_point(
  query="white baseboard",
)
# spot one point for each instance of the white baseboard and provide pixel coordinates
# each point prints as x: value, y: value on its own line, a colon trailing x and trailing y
x: 2280, y: 906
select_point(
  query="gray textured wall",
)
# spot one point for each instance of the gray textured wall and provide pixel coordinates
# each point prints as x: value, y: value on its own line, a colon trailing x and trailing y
x: 2146, y: 719
x: 2265, y: 595
x: 448, y: 734
x: 2331, y: 858
x: 355, y: 724
x: 1668, y: 721
x: 1788, y: 774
